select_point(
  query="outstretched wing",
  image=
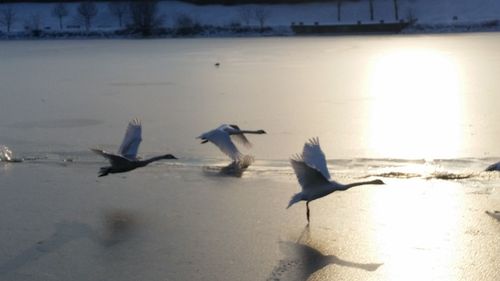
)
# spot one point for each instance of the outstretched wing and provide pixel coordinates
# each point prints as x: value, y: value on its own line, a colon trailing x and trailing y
x: 115, y: 160
x: 132, y: 140
x: 314, y: 157
x: 240, y: 138
x: 223, y: 141
x: 308, y: 177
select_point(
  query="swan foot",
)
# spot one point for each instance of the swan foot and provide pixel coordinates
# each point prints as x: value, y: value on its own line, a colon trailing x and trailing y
x: 104, y: 171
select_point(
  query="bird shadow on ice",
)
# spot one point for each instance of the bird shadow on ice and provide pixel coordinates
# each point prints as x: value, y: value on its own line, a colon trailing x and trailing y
x: 494, y: 214
x: 64, y: 232
x: 234, y: 169
x: 302, y: 260
x: 118, y: 226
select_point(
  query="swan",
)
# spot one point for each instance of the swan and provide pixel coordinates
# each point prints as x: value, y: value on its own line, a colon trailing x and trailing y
x: 493, y: 167
x: 313, y: 176
x: 223, y: 137
x: 127, y: 160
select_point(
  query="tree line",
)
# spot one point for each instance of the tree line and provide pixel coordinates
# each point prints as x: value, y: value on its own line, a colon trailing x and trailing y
x: 197, y: 2
x: 133, y: 17
x: 143, y: 16
x: 241, y: 2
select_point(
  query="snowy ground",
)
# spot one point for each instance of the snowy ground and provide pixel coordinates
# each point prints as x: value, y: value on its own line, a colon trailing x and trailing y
x: 444, y: 15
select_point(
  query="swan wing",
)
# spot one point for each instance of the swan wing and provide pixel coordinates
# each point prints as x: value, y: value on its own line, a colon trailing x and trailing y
x: 308, y: 177
x: 115, y: 160
x: 314, y: 157
x: 131, y: 140
x: 223, y: 141
x: 240, y: 138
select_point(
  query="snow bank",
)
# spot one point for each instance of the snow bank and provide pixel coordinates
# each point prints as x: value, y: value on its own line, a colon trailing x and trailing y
x: 432, y: 15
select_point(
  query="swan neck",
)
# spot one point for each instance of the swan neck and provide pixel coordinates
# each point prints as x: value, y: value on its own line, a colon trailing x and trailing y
x: 152, y: 159
x: 240, y: 132
x: 350, y: 185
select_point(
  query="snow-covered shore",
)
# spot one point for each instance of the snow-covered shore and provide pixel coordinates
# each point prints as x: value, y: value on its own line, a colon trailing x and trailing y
x: 218, y: 20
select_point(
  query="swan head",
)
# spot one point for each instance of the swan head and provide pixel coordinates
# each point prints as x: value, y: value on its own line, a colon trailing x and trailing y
x: 261, y: 132
x: 377, y: 181
x: 168, y: 156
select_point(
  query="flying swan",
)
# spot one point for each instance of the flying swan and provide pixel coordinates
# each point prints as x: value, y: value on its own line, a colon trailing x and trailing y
x: 313, y: 176
x: 127, y: 159
x: 223, y: 137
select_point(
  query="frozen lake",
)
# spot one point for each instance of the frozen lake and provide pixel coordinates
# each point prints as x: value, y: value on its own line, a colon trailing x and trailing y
x: 411, y: 110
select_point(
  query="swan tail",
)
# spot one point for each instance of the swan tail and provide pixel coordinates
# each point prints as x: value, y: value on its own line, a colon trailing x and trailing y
x: 295, y: 198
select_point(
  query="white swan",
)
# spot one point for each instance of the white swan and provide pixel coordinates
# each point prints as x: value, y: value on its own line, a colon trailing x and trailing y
x: 313, y: 176
x: 127, y: 159
x: 221, y: 137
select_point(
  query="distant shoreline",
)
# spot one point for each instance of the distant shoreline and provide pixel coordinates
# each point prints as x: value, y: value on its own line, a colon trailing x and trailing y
x: 226, y: 33
x: 175, y: 19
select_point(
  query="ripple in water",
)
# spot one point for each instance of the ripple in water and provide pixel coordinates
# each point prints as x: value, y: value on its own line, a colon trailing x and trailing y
x: 6, y: 155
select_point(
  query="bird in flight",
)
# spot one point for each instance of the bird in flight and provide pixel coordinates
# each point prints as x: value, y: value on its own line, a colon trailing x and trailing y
x: 126, y: 159
x: 313, y: 176
x: 223, y: 137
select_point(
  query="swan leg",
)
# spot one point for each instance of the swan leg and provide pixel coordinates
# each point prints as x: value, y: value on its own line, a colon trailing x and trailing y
x: 307, y: 213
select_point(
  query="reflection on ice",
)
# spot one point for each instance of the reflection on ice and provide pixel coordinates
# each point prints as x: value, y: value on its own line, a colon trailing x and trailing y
x: 303, y: 260
x: 495, y: 215
x: 65, y: 232
x: 418, y: 223
x: 234, y: 169
x: 119, y: 225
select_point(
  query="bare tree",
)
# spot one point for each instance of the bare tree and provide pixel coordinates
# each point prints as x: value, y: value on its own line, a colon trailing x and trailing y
x: 87, y: 11
x: 34, y: 24
x: 371, y: 9
x: 60, y: 11
x: 145, y: 17
x: 184, y: 25
x: 7, y: 17
x: 396, y: 9
x: 119, y: 10
x: 339, y: 10
x: 410, y: 16
x: 245, y: 14
x: 261, y: 14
